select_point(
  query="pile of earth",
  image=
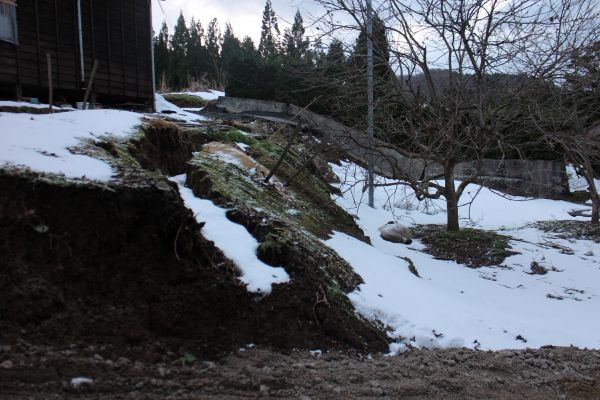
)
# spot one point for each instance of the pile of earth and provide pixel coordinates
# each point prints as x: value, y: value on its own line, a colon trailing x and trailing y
x: 125, y: 263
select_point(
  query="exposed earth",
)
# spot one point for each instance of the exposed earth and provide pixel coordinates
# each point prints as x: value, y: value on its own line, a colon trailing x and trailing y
x: 41, y: 372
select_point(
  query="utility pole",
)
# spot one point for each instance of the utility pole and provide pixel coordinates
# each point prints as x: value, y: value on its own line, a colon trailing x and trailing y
x: 370, y: 101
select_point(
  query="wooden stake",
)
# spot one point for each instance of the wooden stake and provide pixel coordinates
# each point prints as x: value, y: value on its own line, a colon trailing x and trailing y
x: 50, y: 85
x: 89, y: 87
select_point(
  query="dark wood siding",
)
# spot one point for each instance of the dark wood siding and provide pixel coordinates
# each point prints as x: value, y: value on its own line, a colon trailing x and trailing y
x: 117, y: 33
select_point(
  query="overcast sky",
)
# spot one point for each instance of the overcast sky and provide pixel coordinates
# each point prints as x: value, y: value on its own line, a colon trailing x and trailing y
x: 245, y: 15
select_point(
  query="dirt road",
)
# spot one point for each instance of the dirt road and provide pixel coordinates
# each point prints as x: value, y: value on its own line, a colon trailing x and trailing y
x: 39, y: 372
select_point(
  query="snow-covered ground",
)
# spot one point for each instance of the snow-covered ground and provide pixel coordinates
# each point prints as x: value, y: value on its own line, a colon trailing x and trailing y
x: 42, y: 142
x: 234, y: 240
x: 451, y: 305
x: 207, y: 95
x: 23, y: 104
x: 576, y: 182
x: 167, y: 109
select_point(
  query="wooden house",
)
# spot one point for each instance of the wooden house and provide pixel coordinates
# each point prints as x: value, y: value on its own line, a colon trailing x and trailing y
x: 69, y: 37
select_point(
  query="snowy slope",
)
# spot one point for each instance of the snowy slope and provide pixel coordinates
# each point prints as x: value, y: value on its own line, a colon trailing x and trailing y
x: 488, y: 308
x: 42, y: 142
x: 234, y: 240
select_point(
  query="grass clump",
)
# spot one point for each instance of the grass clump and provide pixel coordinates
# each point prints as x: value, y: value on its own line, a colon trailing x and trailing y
x: 185, y: 100
x: 233, y: 136
x: 473, y: 247
x: 569, y: 229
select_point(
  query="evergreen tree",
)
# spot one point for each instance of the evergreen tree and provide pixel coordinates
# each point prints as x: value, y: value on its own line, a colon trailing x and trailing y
x: 242, y: 78
x: 269, y: 36
x: 295, y: 45
x: 335, y: 55
x: 381, y: 50
x: 316, y: 55
x: 230, y: 49
x: 179, y: 66
x: 213, y: 47
x: 161, y: 53
x: 248, y: 48
x: 196, y: 51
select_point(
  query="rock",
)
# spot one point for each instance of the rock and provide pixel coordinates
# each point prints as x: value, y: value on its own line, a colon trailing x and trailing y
x: 395, y: 233
x: 264, y: 390
x: 81, y: 382
x: 8, y: 364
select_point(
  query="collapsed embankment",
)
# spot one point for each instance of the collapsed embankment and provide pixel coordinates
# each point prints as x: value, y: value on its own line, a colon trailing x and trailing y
x: 126, y: 263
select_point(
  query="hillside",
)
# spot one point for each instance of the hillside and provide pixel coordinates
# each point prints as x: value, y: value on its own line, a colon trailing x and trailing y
x: 156, y: 239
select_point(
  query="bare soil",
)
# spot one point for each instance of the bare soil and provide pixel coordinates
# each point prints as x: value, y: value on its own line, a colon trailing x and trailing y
x: 42, y: 372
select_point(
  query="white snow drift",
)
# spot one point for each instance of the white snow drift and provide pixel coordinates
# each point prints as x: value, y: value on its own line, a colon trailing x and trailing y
x: 234, y: 240
x: 42, y: 142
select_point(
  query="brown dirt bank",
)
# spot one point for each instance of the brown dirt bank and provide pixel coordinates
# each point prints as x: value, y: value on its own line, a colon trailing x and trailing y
x: 127, y: 265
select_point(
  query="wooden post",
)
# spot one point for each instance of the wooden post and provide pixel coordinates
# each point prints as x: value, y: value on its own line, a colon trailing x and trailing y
x: 90, y: 84
x: 50, y: 85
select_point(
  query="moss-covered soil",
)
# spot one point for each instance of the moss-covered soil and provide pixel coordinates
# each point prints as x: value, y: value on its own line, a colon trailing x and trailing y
x: 473, y: 247
x: 185, y: 100
x: 571, y: 229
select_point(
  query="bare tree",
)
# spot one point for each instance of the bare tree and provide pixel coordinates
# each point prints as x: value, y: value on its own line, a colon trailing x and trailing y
x: 568, y: 117
x: 455, y: 62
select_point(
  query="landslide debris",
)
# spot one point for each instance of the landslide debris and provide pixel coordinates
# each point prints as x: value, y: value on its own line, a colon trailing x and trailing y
x: 125, y: 262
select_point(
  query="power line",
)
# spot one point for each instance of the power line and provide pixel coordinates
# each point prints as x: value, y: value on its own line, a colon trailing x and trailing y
x: 164, y: 14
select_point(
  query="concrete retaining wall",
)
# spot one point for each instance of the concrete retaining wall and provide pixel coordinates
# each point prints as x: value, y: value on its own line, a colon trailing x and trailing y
x: 518, y: 177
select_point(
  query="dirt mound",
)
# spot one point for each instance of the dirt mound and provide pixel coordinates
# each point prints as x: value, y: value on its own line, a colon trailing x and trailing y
x: 129, y: 265
x: 122, y: 264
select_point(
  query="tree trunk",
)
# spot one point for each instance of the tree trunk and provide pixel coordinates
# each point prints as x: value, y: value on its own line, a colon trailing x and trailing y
x: 595, y: 210
x: 451, y: 199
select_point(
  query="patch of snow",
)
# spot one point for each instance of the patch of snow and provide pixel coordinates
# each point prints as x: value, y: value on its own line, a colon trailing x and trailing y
x: 77, y: 382
x: 494, y: 307
x: 193, y: 109
x: 207, y: 95
x: 578, y: 183
x: 167, y: 109
x: 228, y: 158
x: 234, y: 240
x: 24, y: 104
x: 42, y: 142
x: 243, y: 146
